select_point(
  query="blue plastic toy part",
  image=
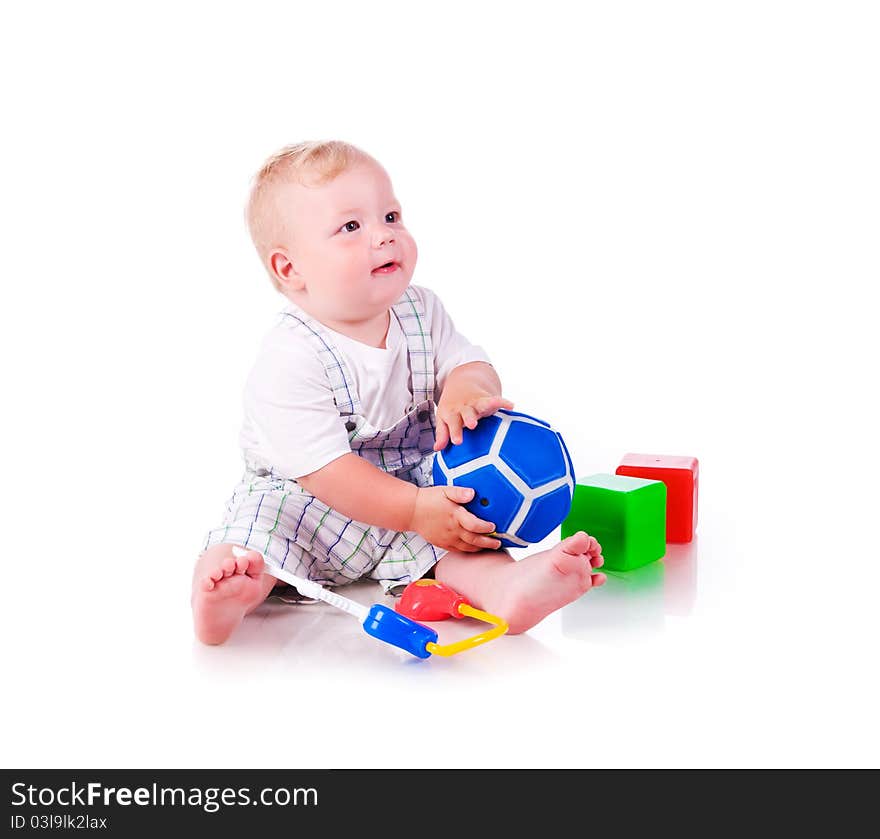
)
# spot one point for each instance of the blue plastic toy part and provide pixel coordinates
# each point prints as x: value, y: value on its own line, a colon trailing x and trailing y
x: 393, y: 628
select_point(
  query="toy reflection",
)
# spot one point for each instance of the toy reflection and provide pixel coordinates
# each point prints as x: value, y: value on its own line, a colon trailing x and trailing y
x: 633, y: 605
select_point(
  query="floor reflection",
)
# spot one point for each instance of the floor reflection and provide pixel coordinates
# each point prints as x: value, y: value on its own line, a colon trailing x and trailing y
x: 680, y: 584
x: 298, y: 638
x: 287, y: 639
x: 634, y: 604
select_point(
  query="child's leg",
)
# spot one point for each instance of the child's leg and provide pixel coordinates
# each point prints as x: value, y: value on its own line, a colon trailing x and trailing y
x: 524, y: 592
x: 225, y: 588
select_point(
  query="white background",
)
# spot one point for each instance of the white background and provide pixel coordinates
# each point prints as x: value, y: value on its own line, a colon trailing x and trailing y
x: 661, y: 221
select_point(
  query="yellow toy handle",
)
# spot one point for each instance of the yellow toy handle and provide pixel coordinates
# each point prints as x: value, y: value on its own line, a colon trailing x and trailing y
x: 499, y: 624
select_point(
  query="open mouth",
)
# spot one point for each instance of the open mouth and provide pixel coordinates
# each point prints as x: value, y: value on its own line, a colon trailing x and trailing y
x: 387, y: 268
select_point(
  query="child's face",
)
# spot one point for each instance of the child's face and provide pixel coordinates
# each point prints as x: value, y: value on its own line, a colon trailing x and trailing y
x: 341, y: 232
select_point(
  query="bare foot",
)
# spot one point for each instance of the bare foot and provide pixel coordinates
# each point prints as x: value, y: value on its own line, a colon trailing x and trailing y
x: 226, y: 587
x: 530, y: 589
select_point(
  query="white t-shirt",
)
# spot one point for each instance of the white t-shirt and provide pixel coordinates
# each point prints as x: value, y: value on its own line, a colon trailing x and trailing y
x: 291, y: 422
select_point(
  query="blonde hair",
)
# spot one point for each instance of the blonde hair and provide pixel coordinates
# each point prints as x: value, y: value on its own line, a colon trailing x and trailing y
x: 311, y: 163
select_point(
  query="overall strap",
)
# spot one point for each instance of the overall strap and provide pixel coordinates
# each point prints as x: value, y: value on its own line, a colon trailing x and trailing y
x: 341, y: 381
x: 413, y: 323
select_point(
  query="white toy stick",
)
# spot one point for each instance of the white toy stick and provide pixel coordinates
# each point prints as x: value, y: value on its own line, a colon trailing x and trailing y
x: 380, y: 621
x: 309, y: 588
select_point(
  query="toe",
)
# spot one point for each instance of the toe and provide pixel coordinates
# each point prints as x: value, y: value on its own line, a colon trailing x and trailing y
x: 576, y: 544
x: 598, y: 580
x: 256, y: 564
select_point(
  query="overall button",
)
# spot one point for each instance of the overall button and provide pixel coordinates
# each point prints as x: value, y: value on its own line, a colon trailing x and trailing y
x: 350, y: 426
x: 423, y: 416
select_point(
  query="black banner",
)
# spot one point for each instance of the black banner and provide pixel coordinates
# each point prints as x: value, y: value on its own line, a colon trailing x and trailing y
x: 129, y: 802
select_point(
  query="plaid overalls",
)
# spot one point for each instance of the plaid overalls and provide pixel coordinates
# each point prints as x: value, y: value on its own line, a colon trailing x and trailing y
x: 292, y: 529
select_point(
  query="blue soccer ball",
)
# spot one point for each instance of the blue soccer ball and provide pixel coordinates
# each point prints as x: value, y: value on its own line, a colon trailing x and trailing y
x: 520, y: 471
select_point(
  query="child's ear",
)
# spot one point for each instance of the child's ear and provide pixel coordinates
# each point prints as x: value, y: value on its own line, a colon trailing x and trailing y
x: 283, y: 271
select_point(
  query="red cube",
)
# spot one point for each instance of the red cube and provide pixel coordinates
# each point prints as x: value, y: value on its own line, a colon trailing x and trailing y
x: 680, y: 475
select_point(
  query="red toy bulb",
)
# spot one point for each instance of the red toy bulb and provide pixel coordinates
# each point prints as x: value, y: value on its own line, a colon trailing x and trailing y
x: 428, y: 600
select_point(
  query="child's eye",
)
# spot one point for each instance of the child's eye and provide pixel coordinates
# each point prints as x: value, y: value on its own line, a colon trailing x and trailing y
x: 348, y: 228
x: 393, y: 213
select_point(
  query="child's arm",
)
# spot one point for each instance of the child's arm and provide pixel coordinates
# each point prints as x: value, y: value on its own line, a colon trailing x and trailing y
x: 471, y: 391
x: 363, y: 492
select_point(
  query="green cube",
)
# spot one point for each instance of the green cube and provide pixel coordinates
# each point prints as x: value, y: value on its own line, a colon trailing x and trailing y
x: 627, y: 516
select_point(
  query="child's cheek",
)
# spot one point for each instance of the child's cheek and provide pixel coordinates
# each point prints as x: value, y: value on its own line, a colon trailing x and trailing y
x: 409, y: 248
x: 348, y: 243
x: 349, y: 252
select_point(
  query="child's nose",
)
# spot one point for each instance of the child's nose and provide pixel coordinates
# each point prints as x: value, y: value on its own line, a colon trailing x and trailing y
x: 382, y: 235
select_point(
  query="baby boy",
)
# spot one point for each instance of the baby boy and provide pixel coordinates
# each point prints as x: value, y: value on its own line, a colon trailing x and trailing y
x: 362, y: 379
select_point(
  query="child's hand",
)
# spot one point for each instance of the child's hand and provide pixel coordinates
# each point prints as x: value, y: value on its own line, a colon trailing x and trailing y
x: 441, y: 519
x: 452, y: 416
